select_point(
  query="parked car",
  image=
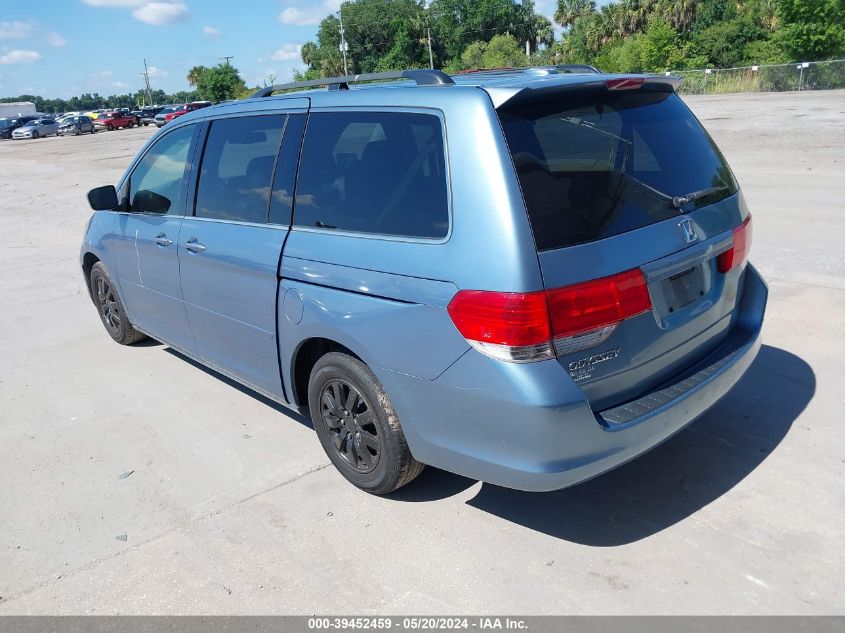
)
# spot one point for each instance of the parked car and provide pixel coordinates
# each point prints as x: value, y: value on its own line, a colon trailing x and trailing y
x: 114, y: 120
x: 148, y: 114
x: 9, y: 125
x: 174, y: 112
x: 76, y: 125
x: 36, y: 129
x: 559, y: 288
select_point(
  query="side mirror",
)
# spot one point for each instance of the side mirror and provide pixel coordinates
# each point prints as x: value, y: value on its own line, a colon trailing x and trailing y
x: 103, y: 198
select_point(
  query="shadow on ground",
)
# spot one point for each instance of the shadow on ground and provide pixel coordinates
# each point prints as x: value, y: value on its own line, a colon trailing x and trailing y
x: 234, y: 384
x: 666, y: 485
x: 655, y: 491
x: 683, y: 475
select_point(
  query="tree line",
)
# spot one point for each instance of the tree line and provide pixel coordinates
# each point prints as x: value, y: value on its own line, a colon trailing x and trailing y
x: 622, y: 36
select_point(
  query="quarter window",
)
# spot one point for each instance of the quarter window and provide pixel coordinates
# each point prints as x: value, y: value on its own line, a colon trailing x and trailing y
x: 237, y: 168
x: 373, y: 172
x: 159, y: 182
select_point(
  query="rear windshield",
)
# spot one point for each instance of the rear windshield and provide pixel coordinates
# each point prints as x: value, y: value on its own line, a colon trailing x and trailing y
x: 597, y: 162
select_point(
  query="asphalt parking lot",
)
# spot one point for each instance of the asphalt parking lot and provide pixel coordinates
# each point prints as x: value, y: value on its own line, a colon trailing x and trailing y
x: 133, y: 481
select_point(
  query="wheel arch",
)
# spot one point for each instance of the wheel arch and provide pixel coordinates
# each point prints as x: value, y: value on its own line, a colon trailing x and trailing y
x: 88, y: 261
x: 303, y: 359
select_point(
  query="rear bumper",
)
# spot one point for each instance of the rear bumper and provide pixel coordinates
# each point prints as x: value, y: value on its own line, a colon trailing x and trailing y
x: 530, y: 427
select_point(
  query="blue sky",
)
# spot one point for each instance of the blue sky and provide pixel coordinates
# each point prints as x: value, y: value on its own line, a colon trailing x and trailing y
x: 63, y: 48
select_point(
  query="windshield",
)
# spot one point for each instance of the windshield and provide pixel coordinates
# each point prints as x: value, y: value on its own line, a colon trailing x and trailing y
x: 168, y: 110
x: 598, y: 162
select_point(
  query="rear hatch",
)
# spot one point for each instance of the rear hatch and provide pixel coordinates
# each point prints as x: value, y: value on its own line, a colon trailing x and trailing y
x: 634, y: 212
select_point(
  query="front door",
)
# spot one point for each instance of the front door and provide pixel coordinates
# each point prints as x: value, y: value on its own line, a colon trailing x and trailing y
x: 147, y: 237
x: 229, y: 250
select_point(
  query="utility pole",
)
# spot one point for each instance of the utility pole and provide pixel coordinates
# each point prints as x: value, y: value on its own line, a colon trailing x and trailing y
x: 430, y: 56
x: 147, y: 81
x: 227, y: 58
x: 343, y: 45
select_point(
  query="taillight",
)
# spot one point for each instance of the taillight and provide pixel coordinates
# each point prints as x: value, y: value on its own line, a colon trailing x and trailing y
x: 586, y: 314
x: 523, y: 327
x: 737, y: 254
x: 505, y: 325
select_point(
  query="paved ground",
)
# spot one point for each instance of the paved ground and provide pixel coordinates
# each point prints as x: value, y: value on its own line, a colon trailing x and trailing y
x: 230, y: 507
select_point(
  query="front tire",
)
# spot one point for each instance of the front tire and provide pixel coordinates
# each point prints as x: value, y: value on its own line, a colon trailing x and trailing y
x: 112, y: 312
x: 357, y: 426
x: 35, y: 135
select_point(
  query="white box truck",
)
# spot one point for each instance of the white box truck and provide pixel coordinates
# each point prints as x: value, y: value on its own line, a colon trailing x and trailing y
x: 16, y: 109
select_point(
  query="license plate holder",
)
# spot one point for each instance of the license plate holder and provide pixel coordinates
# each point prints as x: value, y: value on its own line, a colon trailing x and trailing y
x: 682, y: 289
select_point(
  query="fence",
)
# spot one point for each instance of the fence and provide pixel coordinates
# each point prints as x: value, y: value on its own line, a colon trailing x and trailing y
x: 825, y: 75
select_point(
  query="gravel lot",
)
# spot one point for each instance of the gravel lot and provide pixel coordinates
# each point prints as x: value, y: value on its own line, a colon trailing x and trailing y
x: 230, y: 506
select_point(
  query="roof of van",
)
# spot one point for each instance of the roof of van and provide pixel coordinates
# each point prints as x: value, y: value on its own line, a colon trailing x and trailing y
x: 407, y: 87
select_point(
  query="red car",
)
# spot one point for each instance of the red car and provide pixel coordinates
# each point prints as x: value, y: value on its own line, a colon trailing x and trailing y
x: 170, y: 113
x: 113, y: 120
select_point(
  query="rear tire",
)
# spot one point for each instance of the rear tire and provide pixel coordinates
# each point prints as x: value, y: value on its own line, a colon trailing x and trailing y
x: 357, y: 426
x: 110, y: 308
x: 130, y: 125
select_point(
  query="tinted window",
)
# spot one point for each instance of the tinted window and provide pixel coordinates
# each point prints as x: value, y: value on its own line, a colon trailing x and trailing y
x: 285, y: 179
x: 373, y: 172
x: 159, y: 181
x: 602, y: 162
x: 237, y: 168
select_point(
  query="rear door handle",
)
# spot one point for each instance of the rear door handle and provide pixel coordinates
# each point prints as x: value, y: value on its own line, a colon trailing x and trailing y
x: 162, y: 240
x: 194, y: 246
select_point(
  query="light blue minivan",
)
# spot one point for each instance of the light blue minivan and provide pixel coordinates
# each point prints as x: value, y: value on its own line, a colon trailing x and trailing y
x: 527, y: 277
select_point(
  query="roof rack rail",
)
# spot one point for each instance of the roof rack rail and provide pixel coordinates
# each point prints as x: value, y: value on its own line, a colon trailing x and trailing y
x: 422, y: 77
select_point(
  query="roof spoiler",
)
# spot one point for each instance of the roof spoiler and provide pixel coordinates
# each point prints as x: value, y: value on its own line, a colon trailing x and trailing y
x: 502, y: 95
x: 422, y: 77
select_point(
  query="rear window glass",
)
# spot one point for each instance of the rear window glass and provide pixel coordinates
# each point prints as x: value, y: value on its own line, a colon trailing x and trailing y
x: 598, y: 163
x: 373, y: 172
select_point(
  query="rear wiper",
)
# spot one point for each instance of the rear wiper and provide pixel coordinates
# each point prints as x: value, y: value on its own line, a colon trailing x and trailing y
x: 680, y: 201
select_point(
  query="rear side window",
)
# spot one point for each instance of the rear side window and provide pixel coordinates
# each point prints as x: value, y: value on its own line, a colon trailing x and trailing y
x: 237, y: 168
x: 598, y: 162
x: 373, y: 172
x: 158, y: 184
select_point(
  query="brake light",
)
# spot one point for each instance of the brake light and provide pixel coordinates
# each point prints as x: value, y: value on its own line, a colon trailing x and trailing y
x: 505, y: 325
x: 625, y: 83
x: 523, y: 327
x: 737, y: 254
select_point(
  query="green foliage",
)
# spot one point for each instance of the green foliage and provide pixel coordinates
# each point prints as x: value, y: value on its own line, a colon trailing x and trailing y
x: 502, y: 51
x: 94, y: 101
x: 219, y: 83
x: 811, y: 29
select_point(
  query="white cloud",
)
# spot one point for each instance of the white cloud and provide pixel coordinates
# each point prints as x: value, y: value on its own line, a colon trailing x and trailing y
x: 158, y: 13
x: 308, y: 15
x: 156, y: 72
x: 286, y: 53
x: 120, y: 85
x: 114, y: 3
x: 55, y: 40
x: 14, y: 30
x: 19, y: 57
x: 102, y: 74
x: 210, y: 31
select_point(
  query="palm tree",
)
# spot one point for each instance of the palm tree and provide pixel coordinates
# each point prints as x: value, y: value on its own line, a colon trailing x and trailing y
x: 570, y: 10
x: 194, y: 74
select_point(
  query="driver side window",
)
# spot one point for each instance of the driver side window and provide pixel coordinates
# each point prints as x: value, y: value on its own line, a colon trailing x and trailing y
x: 160, y: 180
